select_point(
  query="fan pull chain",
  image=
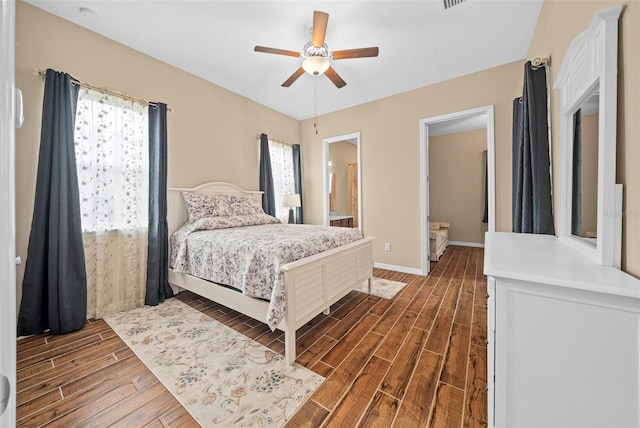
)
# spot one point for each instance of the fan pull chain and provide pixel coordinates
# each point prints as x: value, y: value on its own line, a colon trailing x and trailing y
x: 315, y: 104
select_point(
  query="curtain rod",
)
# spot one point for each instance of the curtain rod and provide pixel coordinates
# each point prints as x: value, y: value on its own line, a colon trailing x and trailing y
x: 536, y: 63
x: 43, y: 74
x: 276, y: 140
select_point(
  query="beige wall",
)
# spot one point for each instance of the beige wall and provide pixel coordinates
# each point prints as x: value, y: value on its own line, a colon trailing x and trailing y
x: 456, y: 183
x: 341, y: 154
x: 212, y: 131
x: 559, y: 23
x: 390, y: 155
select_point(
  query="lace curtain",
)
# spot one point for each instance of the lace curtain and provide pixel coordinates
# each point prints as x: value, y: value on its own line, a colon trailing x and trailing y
x: 283, y: 175
x: 112, y: 155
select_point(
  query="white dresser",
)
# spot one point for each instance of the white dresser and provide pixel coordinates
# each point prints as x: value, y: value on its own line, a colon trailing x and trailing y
x: 564, y: 336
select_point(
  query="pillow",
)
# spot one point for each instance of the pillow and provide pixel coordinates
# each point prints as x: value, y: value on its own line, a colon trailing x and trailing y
x: 201, y: 205
x: 244, y: 205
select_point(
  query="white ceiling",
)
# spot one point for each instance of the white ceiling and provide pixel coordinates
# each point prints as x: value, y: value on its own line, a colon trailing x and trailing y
x: 420, y: 42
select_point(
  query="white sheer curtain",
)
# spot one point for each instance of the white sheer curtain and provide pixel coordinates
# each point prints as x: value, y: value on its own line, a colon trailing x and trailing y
x: 283, y: 178
x: 112, y: 155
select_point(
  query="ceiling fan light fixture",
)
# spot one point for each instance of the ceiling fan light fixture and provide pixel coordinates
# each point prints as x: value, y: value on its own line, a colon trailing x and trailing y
x: 316, y: 54
x: 315, y: 65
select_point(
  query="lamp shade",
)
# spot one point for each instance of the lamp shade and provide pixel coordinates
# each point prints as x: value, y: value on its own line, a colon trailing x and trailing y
x: 315, y: 65
x: 291, y: 200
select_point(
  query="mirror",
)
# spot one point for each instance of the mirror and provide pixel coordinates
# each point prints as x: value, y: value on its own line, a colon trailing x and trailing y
x: 343, y: 182
x: 342, y: 205
x: 584, y: 202
x: 590, y: 215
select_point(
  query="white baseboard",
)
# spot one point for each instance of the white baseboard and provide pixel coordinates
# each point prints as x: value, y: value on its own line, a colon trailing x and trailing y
x: 466, y: 244
x: 402, y: 269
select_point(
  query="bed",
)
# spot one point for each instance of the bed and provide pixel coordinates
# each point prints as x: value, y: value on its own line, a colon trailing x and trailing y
x: 308, y: 285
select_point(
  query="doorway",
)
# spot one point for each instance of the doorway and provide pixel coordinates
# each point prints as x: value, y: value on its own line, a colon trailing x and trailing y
x: 342, y: 180
x: 477, y: 118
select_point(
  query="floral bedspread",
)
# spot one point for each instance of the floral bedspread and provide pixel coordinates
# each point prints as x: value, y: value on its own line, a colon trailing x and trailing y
x: 245, y: 252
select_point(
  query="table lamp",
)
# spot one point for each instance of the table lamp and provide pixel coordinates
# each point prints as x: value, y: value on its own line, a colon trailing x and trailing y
x: 291, y: 201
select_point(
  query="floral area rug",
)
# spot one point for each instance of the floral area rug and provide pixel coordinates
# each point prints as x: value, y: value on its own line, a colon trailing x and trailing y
x: 382, y: 287
x: 220, y: 376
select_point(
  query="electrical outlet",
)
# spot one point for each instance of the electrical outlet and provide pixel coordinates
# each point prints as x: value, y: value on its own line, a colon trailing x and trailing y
x: 387, y: 247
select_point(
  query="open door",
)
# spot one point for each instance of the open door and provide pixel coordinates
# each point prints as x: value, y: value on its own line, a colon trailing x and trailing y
x: 7, y: 217
x: 477, y: 118
x: 424, y: 185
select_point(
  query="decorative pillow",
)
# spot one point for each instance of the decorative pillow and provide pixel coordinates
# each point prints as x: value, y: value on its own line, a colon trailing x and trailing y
x: 244, y: 205
x: 201, y: 205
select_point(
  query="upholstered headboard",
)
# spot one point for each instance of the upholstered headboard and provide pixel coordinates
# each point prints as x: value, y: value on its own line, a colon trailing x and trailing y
x: 177, y: 210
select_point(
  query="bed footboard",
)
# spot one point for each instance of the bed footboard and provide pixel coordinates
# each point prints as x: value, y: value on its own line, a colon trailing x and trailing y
x: 315, y: 283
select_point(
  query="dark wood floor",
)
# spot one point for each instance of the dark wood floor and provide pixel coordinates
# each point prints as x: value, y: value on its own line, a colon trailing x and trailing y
x: 416, y: 360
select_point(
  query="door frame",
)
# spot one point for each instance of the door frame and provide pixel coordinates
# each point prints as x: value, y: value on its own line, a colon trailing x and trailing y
x: 424, y: 171
x: 326, y: 177
x: 7, y: 208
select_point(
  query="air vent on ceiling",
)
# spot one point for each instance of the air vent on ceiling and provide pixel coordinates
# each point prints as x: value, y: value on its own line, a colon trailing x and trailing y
x: 451, y: 3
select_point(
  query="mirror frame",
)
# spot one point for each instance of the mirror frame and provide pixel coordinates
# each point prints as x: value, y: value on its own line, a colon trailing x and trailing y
x: 591, y: 62
x: 325, y: 172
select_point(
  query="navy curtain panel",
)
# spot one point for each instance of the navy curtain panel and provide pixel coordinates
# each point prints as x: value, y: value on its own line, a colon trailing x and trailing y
x: 158, y: 288
x: 266, y: 177
x: 532, y: 201
x: 576, y: 187
x: 297, y: 177
x: 54, y: 288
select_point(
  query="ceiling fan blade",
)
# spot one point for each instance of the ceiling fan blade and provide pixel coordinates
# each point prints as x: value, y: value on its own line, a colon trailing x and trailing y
x: 299, y: 72
x: 276, y: 51
x: 356, y: 53
x: 335, y: 78
x: 319, y: 28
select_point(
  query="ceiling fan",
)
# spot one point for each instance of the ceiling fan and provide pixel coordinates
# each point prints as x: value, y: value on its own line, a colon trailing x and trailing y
x: 317, y: 55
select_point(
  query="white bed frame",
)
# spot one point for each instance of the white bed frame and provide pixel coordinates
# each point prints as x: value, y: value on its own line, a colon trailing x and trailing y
x: 312, y: 284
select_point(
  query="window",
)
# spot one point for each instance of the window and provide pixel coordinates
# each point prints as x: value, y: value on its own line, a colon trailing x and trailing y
x: 283, y: 175
x: 112, y: 158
